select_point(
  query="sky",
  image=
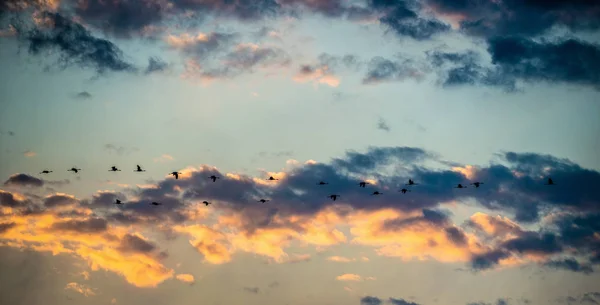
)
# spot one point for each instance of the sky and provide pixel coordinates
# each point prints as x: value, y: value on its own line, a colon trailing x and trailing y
x: 443, y: 92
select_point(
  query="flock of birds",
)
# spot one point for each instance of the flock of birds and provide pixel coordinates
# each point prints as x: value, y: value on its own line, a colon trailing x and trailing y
x: 333, y: 197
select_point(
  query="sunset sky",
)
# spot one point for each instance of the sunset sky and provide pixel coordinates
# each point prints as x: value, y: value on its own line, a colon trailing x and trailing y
x: 505, y: 92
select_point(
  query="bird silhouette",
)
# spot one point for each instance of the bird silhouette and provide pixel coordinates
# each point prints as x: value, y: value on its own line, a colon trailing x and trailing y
x: 214, y: 178
x: 322, y: 183
x: 175, y: 174
x: 206, y: 203
x: 376, y: 193
x: 363, y: 184
x: 155, y: 203
x: 476, y: 184
x: 334, y: 197
x: 114, y: 169
x: 118, y: 201
x: 139, y: 169
x: 45, y: 171
x: 411, y: 182
x: 404, y: 191
x: 272, y: 179
x: 460, y: 186
x: 264, y: 200
x: 550, y: 182
x: 74, y: 169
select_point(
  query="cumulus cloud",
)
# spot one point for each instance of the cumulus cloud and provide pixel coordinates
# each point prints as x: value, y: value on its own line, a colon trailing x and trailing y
x: 24, y: 180
x: 186, y: 278
x: 385, y: 70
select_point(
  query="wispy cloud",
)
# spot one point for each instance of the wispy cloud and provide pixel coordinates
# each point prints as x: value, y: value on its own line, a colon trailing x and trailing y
x: 29, y: 154
x: 164, y: 158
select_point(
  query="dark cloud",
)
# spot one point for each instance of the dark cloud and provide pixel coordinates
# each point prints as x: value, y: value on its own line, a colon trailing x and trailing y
x: 206, y: 47
x: 5, y: 226
x: 75, y: 45
x: 133, y: 243
x: 83, y: 95
x: 488, y: 260
x: 369, y: 300
x: 122, y: 18
x: 401, y: 302
x: 516, y: 17
x: 534, y: 243
x: 402, y: 17
x: 569, y: 61
x: 59, y: 200
x: 254, y: 290
x: 385, y: 70
x: 246, y: 57
x: 382, y: 125
x: 91, y: 225
x: 569, y: 264
x: 457, y: 236
x: 155, y: 64
x: 8, y: 199
x: 24, y: 180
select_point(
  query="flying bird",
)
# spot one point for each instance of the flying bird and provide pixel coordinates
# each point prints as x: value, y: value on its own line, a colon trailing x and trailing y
x: 550, y: 182
x: 118, y: 201
x: 404, y: 191
x: 272, y: 179
x: 155, y: 203
x: 175, y: 174
x: 74, y: 169
x: 334, y: 197
x: 214, y: 178
x: 264, y: 200
x: 45, y: 171
x: 460, y: 186
x: 139, y: 169
x: 322, y: 183
x: 376, y: 193
x: 206, y: 203
x: 476, y: 184
x: 411, y: 182
x: 114, y: 169
x: 363, y: 183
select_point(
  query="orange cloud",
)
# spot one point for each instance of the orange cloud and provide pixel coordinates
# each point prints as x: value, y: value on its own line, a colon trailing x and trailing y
x: 320, y: 75
x: 86, y: 291
x: 496, y: 226
x: 186, y: 278
x: 29, y: 154
x: 340, y: 259
x: 468, y: 171
x: 349, y: 277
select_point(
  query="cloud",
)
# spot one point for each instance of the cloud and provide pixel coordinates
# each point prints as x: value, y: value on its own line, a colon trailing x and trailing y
x: 186, y: 278
x: 164, y: 158
x: 385, y: 70
x: 369, y: 300
x: 340, y: 259
x: 202, y: 45
x: 75, y: 44
x: 404, y: 20
x: 155, y: 64
x: 29, y: 154
x: 382, y: 125
x: 401, y: 302
x: 83, y: 289
x: 24, y: 180
x: 349, y: 277
x: 253, y: 290
x: 323, y: 72
x: 120, y: 150
x: 570, y: 264
x: 83, y: 95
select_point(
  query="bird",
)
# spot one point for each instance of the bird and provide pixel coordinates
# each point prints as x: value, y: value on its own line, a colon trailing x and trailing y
x: 550, y: 182
x: 114, y: 169
x: 460, y: 186
x: 74, y: 169
x: 322, y: 183
x: 476, y: 184
x: 404, y: 191
x: 411, y: 182
x: 45, y: 171
x: 272, y: 179
x: 214, y: 178
x: 175, y: 174
x: 206, y: 203
x: 155, y: 203
x: 376, y: 193
x: 363, y: 183
x: 139, y: 169
x: 264, y: 200
x: 334, y: 197
x: 118, y: 201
